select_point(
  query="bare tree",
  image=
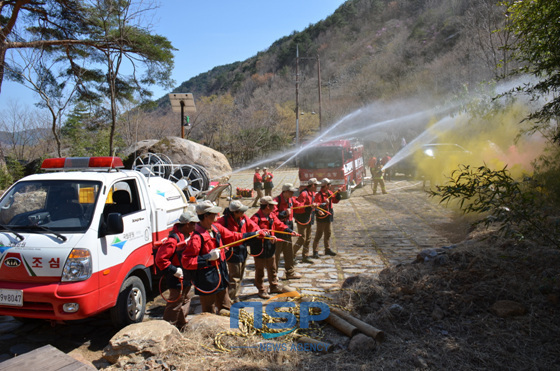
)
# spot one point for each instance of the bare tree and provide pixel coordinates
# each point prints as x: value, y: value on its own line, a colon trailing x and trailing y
x: 37, y: 72
x: 484, y: 21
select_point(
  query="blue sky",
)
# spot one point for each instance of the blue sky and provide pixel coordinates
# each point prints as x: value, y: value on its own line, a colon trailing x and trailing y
x: 213, y: 33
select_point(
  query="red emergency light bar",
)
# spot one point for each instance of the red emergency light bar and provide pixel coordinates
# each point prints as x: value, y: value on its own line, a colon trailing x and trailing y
x: 69, y: 163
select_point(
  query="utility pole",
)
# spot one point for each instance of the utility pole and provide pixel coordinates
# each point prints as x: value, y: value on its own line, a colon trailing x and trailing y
x: 297, y: 96
x: 319, y: 88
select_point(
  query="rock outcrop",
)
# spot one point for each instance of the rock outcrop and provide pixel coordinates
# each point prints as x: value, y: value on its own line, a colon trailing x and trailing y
x: 182, y: 151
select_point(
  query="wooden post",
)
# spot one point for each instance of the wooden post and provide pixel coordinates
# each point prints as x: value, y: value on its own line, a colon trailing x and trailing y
x: 341, y: 325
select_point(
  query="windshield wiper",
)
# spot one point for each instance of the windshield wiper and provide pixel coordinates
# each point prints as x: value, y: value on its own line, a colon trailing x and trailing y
x: 19, y: 236
x: 48, y: 230
x: 31, y: 228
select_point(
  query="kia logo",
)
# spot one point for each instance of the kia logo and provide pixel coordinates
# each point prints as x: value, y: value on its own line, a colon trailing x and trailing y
x: 12, y: 262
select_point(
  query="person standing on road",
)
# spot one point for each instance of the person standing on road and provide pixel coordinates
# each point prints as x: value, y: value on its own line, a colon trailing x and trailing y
x: 267, y: 179
x: 168, y: 260
x: 304, y: 217
x: 378, y: 179
x: 257, y: 186
x: 284, y: 210
x: 264, y: 250
x: 235, y: 220
x: 207, y: 261
x: 325, y: 198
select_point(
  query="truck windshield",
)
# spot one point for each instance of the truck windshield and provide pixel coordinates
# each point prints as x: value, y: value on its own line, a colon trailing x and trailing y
x: 321, y: 158
x: 55, y: 205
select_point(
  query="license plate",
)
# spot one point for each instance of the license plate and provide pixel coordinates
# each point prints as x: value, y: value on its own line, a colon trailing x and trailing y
x: 11, y: 297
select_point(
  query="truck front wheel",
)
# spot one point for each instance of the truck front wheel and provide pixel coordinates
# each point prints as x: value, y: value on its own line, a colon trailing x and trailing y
x: 131, y: 303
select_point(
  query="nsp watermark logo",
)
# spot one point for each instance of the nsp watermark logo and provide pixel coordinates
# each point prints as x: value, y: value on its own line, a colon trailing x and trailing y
x: 271, y: 310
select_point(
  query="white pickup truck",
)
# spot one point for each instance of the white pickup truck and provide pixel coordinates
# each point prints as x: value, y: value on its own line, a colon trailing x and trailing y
x: 80, y: 239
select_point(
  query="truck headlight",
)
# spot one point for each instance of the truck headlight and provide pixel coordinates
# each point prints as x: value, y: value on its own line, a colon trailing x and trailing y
x: 78, y: 266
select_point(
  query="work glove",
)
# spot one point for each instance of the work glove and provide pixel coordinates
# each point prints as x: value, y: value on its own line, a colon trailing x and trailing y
x: 214, y: 255
x: 273, y: 240
x: 178, y: 273
x: 262, y: 233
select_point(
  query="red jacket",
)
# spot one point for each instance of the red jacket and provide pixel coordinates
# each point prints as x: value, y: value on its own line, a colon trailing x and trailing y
x: 244, y: 225
x: 264, y: 248
x: 238, y: 253
x: 167, y: 255
x: 284, y: 204
x: 194, y: 251
x: 325, y: 200
x: 257, y: 181
x: 267, y: 179
x: 304, y: 214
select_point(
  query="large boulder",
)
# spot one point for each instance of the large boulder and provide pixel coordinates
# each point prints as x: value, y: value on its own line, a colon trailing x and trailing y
x: 182, y: 151
x: 146, y: 338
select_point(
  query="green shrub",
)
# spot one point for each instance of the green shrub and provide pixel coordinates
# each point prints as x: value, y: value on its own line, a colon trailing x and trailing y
x: 520, y: 209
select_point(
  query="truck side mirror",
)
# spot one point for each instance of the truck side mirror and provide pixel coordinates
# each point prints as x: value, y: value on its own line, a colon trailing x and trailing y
x: 114, y: 225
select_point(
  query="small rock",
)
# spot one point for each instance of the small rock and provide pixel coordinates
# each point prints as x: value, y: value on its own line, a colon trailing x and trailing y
x: 438, y: 314
x: 508, y: 308
x: 426, y: 255
x: 361, y: 343
x: 396, y: 310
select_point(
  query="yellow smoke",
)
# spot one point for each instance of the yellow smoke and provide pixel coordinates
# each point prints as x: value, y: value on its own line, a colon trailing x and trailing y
x: 489, y: 140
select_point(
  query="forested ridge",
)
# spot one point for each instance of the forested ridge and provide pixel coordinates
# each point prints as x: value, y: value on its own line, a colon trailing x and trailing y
x: 368, y: 50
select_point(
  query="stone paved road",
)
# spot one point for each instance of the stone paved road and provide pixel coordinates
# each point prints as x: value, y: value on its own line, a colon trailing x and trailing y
x: 369, y: 232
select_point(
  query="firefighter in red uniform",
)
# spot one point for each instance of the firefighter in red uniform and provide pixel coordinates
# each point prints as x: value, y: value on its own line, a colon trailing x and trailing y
x: 284, y: 211
x: 263, y: 250
x: 325, y: 198
x: 206, y: 261
x: 235, y: 220
x: 304, y: 218
x: 267, y: 179
x: 257, y: 186
x: 168, y: 260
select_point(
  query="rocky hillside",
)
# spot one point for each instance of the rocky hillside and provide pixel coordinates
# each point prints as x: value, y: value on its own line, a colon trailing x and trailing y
x: 368, y: 51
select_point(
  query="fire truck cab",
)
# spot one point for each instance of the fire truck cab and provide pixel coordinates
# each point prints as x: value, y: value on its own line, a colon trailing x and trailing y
x: 80, y: 239
x: 339, y: 160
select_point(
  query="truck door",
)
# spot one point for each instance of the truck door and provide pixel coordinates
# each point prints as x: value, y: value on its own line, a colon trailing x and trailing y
x: 121, y: 252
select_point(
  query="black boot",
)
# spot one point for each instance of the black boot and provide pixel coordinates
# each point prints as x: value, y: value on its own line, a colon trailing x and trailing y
x: 330, y: 252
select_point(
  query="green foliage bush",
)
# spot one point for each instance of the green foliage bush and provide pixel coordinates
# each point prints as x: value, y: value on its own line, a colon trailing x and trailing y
x: 521, y: 209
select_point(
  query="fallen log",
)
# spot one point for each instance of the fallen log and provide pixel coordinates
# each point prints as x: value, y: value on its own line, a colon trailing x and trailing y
x: 363, y: 327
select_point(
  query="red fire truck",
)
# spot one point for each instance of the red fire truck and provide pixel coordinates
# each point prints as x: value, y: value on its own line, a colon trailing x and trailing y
x: 339, y: 160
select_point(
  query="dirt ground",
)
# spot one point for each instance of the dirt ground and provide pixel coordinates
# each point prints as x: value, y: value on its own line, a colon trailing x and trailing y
x: 477, y: 302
